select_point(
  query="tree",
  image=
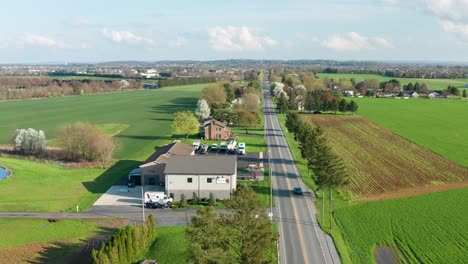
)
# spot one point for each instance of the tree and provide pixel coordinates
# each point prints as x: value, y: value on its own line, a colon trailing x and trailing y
x: 226, y: 115
x: 464, y: 93
x: 207, y: 239
x: 183, y: 201
x: 250, y: 234
x: 195, y: 199
x: 343, y: 106
x: 203, y: 110
x: 251, y: 102
x: 229, y: 92
x: 214, y: 93
x: 184, y: 123
x: 246, y: 119
x: 212, y: 200
x: 282, y: 104
x: 84, y: 140
x: 29, y: 141
x: 292, y: 122
x: 352, y: 107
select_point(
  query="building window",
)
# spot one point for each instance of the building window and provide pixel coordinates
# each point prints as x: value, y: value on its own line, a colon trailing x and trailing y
x: 209, y: 180
x: 189, y: 180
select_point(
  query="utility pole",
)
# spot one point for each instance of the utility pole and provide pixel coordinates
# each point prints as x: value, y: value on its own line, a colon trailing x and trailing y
x: 142, y: 203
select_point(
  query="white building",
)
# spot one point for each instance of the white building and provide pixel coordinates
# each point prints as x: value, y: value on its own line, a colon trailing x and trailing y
x: 202, y: 175
x: 150, y: 73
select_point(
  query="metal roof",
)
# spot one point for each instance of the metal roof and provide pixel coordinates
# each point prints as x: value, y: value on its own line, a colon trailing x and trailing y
x: 210, y: 165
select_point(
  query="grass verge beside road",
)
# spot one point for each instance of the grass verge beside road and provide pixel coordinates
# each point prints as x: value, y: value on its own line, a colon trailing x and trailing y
x: 169, y: 246
x: 17, y: 232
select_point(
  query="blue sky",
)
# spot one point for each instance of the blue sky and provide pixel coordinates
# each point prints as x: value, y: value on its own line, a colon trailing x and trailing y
x: 94, y: 31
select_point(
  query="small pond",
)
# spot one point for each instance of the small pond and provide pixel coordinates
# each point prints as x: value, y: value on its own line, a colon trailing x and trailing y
x: 4, y: 173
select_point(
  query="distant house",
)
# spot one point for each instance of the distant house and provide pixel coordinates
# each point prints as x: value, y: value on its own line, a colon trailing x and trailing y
x: 435, y: 95
x: 214, y: 129
x: 202, y: 175
x: 465, y: 86
x: 349, y: 93
x: 150, y: 73
x: 152, y: 170
x: 414, y: 94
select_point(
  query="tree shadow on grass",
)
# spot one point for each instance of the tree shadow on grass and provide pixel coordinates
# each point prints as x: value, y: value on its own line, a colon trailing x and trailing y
x: 111, y: 176
x: 175, y: 105
x: 73, y: 252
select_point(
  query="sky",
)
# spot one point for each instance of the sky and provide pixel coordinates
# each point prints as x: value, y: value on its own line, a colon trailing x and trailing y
x: 150, y: 30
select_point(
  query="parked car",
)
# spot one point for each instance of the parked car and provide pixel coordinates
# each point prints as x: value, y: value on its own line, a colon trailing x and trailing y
x: 298, y: 190
x: 223, y: 146
x: 204, y: 149
x: 241, y: 148
x: 196, y: 144
x: 214, y: 147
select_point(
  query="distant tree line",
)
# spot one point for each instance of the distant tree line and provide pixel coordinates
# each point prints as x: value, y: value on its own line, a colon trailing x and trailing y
x: 26, y: 88
x: 127, y: 245
x: 329, y: 169
x: 185, y: 81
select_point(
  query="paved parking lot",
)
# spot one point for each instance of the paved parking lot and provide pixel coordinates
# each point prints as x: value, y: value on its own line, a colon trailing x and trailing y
x: 121, y: 195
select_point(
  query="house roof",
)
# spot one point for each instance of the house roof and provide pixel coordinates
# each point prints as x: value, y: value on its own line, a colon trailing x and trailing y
x: 215, y: 122
x: 162, y: 154
x: 210, y: 165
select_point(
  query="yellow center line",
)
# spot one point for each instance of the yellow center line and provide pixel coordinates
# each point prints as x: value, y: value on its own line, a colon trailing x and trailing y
x: 306, y: 259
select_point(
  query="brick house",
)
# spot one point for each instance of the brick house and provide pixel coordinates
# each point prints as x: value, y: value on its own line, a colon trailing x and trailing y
x: 214, y: 129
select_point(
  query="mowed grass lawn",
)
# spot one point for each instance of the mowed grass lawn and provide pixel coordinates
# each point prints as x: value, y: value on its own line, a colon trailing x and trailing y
x: 430, y: 228
x: 439, y: 125
x: 16, y: 232
x: 38, y: 186
x: 378, y: 160
x: 433, y: 84
x: 170, y: 245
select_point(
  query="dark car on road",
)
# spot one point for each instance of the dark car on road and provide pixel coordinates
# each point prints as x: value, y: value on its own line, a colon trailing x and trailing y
x: 298, y: 191
x: 204, y: 149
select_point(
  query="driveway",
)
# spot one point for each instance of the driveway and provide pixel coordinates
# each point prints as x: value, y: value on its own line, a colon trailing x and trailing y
x: 123, y: 196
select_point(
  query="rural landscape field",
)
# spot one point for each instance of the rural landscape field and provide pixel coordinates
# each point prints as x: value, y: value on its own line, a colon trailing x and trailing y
x: 438, y: 125
x: 147, y: 114
x: 379, y: 160
x: 430, y: 228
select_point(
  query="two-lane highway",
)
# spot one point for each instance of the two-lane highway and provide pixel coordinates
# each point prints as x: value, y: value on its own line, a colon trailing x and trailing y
x: 301, y: 239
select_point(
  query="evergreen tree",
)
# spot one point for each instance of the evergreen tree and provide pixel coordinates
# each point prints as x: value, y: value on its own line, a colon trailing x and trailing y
x: 212, y: 200
x: 292, y: 123
x: 183, y: 201
x: 195, y: 199
x: 343, y: 106
x: 464, y: 93
x: 352, y: 107
x: 282, y: 104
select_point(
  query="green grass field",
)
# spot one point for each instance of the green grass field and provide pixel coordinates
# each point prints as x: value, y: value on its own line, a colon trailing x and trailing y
x: 147, y: 113
x: 433, y: 84
x: 429, y: 228
x: 145, y: 116
x: 16, y: 232
x: 439, y: 125
x: 169, y: 245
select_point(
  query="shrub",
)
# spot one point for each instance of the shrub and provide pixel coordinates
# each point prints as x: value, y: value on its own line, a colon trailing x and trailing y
x: 212, y: 200
x: 87, y: 141
x: 183, y: 201
x: 29, y: 142
x: 195, y: 199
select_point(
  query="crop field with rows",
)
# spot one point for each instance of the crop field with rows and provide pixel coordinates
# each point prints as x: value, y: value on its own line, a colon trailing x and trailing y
x: 379, y: 160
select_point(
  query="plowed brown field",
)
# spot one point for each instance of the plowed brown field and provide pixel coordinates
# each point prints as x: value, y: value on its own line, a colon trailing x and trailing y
x: 381, y: 161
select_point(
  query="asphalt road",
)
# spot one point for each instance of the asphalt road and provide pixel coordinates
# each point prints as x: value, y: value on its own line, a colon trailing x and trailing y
x: 301, y: 239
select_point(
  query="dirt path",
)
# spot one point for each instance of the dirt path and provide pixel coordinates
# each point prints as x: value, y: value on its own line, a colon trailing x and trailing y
x: 412, y: 192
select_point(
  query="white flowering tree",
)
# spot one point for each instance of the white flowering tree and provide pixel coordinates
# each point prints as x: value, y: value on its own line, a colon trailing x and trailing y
x: 29, y: 141
x: 203, y: 110
x: 278, y: 89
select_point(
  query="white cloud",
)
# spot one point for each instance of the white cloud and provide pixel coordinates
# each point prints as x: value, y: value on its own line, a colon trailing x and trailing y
x: 382, y: 42
x: 452, y: 27
x: 124, y: 36
x: 238, y: 39
x: 40, y: 40
x: 178, y: 42
x: 352, y: 41
x: 449, y: 9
